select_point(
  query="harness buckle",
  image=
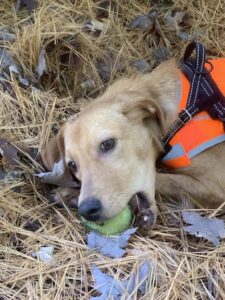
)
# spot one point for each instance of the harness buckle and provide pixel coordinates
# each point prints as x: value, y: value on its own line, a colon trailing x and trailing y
x: 185, y: 116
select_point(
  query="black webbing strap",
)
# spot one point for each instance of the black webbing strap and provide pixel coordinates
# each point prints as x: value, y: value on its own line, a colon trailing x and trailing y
x: 204, y: 93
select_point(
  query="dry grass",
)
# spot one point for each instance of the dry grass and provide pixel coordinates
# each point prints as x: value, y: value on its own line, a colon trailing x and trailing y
x: 185, y: 268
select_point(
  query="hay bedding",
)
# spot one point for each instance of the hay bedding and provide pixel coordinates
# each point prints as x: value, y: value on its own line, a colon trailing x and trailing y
x: 80, y: 62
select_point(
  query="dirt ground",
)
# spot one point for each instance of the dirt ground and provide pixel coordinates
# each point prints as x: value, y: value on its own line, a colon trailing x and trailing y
x: 66, y: 52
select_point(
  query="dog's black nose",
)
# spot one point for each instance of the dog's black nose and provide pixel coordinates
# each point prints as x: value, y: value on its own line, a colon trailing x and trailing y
x: 90, y: 209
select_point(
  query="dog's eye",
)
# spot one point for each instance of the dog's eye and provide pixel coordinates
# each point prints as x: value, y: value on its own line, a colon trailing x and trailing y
x: 72, y: 166
x: 107, y: 145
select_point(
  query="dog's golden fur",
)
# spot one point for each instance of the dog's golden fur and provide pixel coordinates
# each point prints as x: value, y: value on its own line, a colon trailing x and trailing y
x: 137, y: 112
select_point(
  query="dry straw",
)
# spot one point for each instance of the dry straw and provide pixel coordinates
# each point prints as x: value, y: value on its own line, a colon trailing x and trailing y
x: 185, y: 268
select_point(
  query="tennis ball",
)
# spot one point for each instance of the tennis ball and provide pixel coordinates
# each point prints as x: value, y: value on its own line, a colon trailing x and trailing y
x: 113, y: 226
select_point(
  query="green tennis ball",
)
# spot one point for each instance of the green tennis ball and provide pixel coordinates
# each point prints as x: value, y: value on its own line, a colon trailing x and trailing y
x: 113, y: 226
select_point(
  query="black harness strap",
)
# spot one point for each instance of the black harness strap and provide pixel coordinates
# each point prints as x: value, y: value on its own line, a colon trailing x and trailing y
x: 204, y: 94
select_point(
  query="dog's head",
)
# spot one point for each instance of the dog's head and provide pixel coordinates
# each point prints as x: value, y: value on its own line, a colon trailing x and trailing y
x: 113, y: 145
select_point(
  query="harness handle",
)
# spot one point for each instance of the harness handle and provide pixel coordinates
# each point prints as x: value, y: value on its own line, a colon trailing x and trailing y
x: 199, y: 55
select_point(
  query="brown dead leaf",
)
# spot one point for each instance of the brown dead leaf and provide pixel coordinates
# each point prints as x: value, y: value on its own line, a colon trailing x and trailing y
x: 161, y: 54
x: 8, y: 66
x: 141, y: 65
x: 141, y: 22
x: 11, y: 154
x: 186, y: 36
x: 105, y: 7
x: 30, y: 4
x: 65, y: 50
x: 173, y: 19
x: 87, y: 86
x: 108, y: 64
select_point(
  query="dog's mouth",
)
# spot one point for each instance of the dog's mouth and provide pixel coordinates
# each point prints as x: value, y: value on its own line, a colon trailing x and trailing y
x: 140, y: 206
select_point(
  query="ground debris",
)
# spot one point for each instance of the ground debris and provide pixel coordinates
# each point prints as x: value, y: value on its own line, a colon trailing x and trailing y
x: 173, y: 19
x: 7, y: 36
x: 110, y: 246
x: 30, y: 4
x: 105, y: 7
x: 161, y: 54
x: 109, y: 287
x: 11, y: 171
x: 211, y: 229
x: 10, y: 154
x: 142, y: 22
x: 41, y: 66
x: 44, y: 254
x: 87, y: 86
x: 95, y: 26
x: 66, y: 51
x: 141, y: 65
x: 7, y: 67
x: 176, y: 19
x: 107, y: 65
x: 32, y: 225
x: 186, y: 36
x: 212, y: 284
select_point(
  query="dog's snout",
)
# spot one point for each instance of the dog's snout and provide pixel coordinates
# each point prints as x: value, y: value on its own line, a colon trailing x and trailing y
x: 90, y: 209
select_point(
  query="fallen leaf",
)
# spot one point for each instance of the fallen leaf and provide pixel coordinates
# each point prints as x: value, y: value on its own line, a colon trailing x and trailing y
x: 6, y: 60
x: 185, y: 36
x: 5, y: 85
x: 88, y: 85
x: 139, y: 280
x: 30, y: 4
x: 142, y: 65
x: 212, y: 284
x: 2, y: 213
x: 66, y: 51
x: 41, y: 66
x: 32, y: 225
x: 7, y: 36
x: 44, y: 254
x: 9, y: 154
x: 110, y: 246
x: 173, y: 19
x: 104, y: 7
x: 142, y: 22
x: 95, y: 25
x: 107, y: 285
x: 111, y: 288
x: 11, y: 179
x: 108, y: 64
x: 161, y: 54
x: 8, y: 66
x: 58, y: 176
x: 211, y: 229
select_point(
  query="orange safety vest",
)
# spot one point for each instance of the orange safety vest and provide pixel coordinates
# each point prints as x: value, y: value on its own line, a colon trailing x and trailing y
x: 201, y: 132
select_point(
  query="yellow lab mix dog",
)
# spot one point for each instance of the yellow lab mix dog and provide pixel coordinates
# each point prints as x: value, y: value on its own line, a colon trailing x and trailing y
x: 113, y: 146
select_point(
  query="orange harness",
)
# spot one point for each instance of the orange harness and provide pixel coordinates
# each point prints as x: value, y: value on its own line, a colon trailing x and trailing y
x: 201, y: 131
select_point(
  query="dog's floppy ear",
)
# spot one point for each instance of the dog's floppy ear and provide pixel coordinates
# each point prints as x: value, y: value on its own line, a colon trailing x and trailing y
x: 147, y: 111
x: 54, y: 150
